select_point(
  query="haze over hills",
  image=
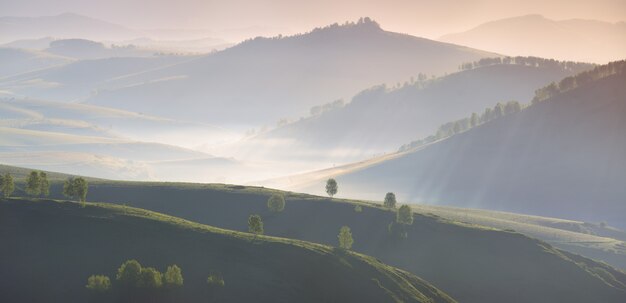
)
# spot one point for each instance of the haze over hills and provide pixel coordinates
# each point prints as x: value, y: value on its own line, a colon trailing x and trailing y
x: 535, y: 35
x: 563, y: 157
x: 15, y: 61
x: 66, y: 25
x: 380, y: 119
x: 284, y: 77
x: 78, y: 80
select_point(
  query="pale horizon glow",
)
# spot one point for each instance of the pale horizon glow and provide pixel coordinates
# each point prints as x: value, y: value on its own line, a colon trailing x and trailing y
x: 427, y: 19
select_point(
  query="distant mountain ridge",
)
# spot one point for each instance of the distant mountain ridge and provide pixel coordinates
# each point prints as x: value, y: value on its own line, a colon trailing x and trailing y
x: 562, y: 157
x: 67, y: 25
x: 380, y: 119
x: 535, y: 35
x: 284, y: 77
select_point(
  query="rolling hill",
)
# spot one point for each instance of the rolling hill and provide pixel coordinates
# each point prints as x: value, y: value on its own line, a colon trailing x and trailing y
x: 81, y: 79
x: 535, y: 35
x: 469, y: 262
x: 14, y: 61
x: 562, y: 157
x: 284, y: 76
x: 380, y: 119
x: 99, y: 237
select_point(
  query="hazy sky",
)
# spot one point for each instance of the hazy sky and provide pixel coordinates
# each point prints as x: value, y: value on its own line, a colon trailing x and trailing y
x: 430, y: 18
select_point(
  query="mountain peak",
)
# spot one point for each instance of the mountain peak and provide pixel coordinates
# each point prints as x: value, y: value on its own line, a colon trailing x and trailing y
x: 363, y: 24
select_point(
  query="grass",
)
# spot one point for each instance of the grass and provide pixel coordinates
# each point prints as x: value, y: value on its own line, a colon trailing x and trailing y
x: 47, y: 237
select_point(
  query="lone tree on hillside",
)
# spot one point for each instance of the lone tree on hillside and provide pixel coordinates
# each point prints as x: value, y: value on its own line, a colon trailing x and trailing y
x: 255, y: 224
x: 76, y: 188
x: 390, y: 200
x: 33, y: 184
x: 404, y: 215
x: 173, y: 277
x: 44, y: 188
x: 331, y: 187
x: 345, y: 238
x: 276, y: 203
x: 7, y: 185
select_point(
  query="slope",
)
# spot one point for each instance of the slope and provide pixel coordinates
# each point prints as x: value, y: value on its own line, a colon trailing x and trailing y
x: 284, y: 76
x: 470, y: 263
x: 15, y: 61
x: 381, y: 119
x: 563, y: 157
x: 80, y: 79
x: 535, y: 35
x: 99, y: 237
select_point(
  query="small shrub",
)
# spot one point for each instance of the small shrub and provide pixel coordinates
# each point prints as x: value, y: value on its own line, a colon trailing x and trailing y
x: 215, y: 280
x: 98, y: 283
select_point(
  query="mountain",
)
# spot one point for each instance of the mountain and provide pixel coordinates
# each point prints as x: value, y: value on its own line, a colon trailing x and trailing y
x: 67, y: 25
x: 380, y: 119
x: 14, y: 61
x: 535, y: 35
x: 469, y: 262
x: 561, y: 157
x: 99, y: 237
x: 265, y: 79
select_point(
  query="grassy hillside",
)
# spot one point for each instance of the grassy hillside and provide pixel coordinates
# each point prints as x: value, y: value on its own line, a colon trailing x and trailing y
x: 313, y: 68
x: 470, y: 263
x: 51, y: 247
x: 379, y: 119
x: 563, y: 157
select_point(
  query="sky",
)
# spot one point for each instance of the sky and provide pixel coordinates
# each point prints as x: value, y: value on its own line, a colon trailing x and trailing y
x: 429, y: 19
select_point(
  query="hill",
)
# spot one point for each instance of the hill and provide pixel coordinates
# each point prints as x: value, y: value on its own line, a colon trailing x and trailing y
x: 66, y: 25
x: 88, y: 49
x: 260, y: 269
x: 380, y: 119
x: 284, y: 76
x: 80, y: 79
x: 471, y: 263
x: 550, y: 159
x: 535, y: 35
x: 14, y: 61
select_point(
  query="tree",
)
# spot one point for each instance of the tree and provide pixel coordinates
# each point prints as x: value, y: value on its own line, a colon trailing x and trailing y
x: 215, y: 280
x: 404, y: 215
x: 76, y: 188
x: 255, y: 224
x: 474, y: 120
x: 129, y: 273
x: 331, y: 187
x: 276, y: 203
x: 150, y: 278
x: 44, y: 188
x: 173, y: 277
x: 33, y: 184
x: 390, y: 200
x: 8, y: 186
x: 345, y: 238
x: 98, y: 283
